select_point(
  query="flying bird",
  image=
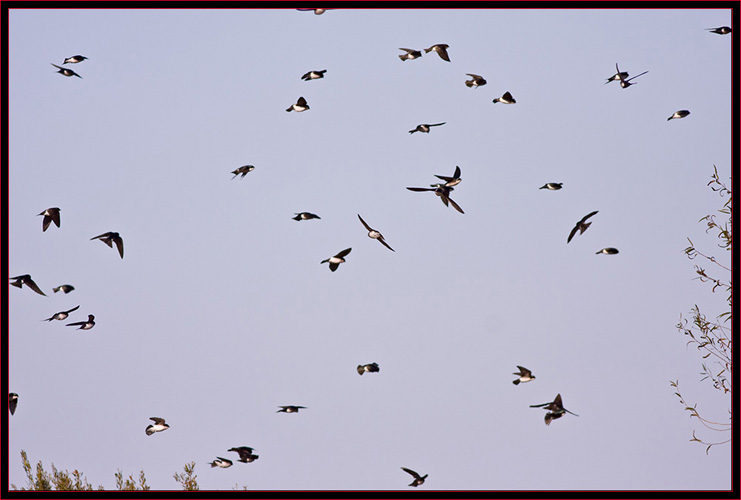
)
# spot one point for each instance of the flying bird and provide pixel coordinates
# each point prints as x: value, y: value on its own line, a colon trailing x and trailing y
x: 608, y: 251
x: 418, y: 480
x: 410, y: 54
x: 582, y: 225
x: 625, y: 82
x: 475, y: 81
x: 300, y: 105
x: 454, y: 180
x: 305, y: 216
x: 66, y: 71
x: 74, y: 59
x: 314, y: 75
x: 443, y: 192
x: 62, y: 315
x: 425, y: 127
x: 244, y: 170
x: 159, y: 425
x: 25, y: 279
x: 555, y: 409
x: 372, y: 233
x: 245, y: 454
x: 50, y: 215
x: 505, y: 99
x: 221, y: 462
x: 370, y: 368
x: 338, y: 259
x: 318, y: 12
x: 620, y: 75
x: 84, y: 325
x: 723, y: 30
x: 65, y: 288
x: 12, y: 402
x: 441, y: 49
x: 553, y: 186
x: 109, y: 239
x: 524, y: 374
x: 678, y: 114
x: 289, y: 409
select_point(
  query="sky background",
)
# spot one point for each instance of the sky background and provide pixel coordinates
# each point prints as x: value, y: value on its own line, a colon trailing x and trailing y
x: 220, y: 310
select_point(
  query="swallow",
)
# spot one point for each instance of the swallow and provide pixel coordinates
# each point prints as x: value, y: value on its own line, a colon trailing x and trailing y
x: 679, y: 114
x: 318, y: 12
x: 582, y: 225
x: 338, y: 259
x: 84, y: 325
x: 475, y: 81
x: 410, y: 54
x: 372, y: 233
x: 425, y: 127
x: 556, y: 409
x: 62, y: 315
x: 441, y: 49
x: 314, y: 75
x: 620, y: 75
x: 305, y: 216
x: 299, y: 106
x: 723, y: 30
x: 74, y: 59
x: 289, y: 409
x: 553, y: 186
x: 525, y: 375
x: 159, y: 425
x: 505, y: 99
x: 418, y: 480
x: 625, y: 82
x: 12, y: 402
x: 50, y: 215
x: 449, y: 181
x: 109, y: 239
x: 64, y: 288
x: 245, y: 454
x: 608, y: 251
x: 371, y: 368
x: 443, y: 192
x: 66, y: 71
x: 25, y: 279
x: 221, y: 462
x: 244, y: 170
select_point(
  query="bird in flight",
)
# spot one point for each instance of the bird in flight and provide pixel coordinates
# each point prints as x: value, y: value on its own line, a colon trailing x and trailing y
x: 625, y: 82
x: 64, y: 288
x: 678, y: 114
x: 410, y: 54
x: 244, y: 170
x: 289, y: 409
x: 334, y: 262
x: 475, y: 81
x: 74, y: 59
x: 84, y: 325
x: 62, y: 315
x: 12, y: 402
x: 441, y: 49
x: 372, y: 233
x: 524, y: 374
x: 443, y: 192
x: 555, y: 409
x: 300, y: 105
x: 505, y: 99
x: 723, y: 30
x: 50, y: 215
x: 418, y: 480
x: 553, y: 186
x: 608, y: 251
x: 66, y: 71
x: 109, y: 239
x: 425, y: 127
x: 314, y: 75
x: 318, y: 12
x: 159, y: 425
x: 25, y: 279
x: 454, y: 180
x: 221, y: 462
x: 305, y: 216
x: 582, y: 225
x: 369, y: 368
x: 245, y: 454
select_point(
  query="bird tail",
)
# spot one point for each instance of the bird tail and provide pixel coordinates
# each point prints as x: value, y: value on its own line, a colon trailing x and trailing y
x: 469, y: 83
x: 516, y: 381
x: 19, y: 284
x: 56, y: 289
x: 404, y: 57
x: 428, y: 50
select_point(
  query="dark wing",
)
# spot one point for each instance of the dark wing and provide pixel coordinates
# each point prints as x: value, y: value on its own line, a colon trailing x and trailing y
x: 540, y: 405
x: 76, y: 324
x: 12, y: 402
x: 59, y: 67
x: 589, y: 215
x: 457, y: 173
x: 558, y: 402
x: 443, y: 53
x: 73, y: 309
x: 33, y: 286
x: 410, y: 471
x: 455, y: 205
x: 119, y: 244
x: 573, y: 232
x: 523, y: 370
x: 104, y: 235
x: 301, y: 101
x: 157, y: 420
x: 340, y: 255
x: 629, y: 79
x: 46, y: 223
x: 420, y: 189
x: 385, y: 244
x: 435, y: 124
x: 54, y: 216
x: 364, y: 223
x: 507, y: 96
x: 333, y: 266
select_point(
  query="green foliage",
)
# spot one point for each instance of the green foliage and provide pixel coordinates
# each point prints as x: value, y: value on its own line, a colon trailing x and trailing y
x: 188, y: 479
x: 712, y: 338
x: 129, y: 484
x: 57, y: 480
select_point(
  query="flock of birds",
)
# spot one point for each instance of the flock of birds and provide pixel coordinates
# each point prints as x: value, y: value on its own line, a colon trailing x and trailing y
x: 554, y: 409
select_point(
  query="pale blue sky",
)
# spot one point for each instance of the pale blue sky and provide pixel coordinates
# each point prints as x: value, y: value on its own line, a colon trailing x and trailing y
x: 220, y: 310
